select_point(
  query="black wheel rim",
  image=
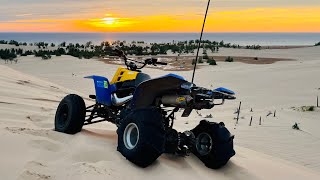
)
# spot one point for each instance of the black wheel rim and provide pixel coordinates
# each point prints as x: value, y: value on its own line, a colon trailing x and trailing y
x: 63, y: 115
x: 204, y: 144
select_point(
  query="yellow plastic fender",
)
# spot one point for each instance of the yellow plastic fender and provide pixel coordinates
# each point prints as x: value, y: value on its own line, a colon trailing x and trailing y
x: 124, y: 74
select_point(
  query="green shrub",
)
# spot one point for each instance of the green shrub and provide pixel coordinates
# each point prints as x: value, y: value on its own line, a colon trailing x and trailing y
x: 46, y: 56
x: 200, y: 60
x: 211, y: 61
x: 317, y: 44
x: 307, y: 108
x: 229, y: 59
x: 311, y: 108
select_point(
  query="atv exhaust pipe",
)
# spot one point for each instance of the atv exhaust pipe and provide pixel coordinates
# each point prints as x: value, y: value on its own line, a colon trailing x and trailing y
x: 176, y: 100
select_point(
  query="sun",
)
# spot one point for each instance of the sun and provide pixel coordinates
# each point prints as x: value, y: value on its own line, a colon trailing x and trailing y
x: 109, y: 20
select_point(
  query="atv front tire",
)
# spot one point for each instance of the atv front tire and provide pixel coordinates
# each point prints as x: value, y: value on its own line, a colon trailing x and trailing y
x: 214, y: 144
x: 70, y: 114
x: 141, y: 136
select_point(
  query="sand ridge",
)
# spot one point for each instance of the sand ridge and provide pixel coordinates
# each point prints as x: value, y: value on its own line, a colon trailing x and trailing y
x: 30, y: 149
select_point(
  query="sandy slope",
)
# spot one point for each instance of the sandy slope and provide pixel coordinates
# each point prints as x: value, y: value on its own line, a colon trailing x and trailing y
x: 264, y: 88
x: 32, y: 150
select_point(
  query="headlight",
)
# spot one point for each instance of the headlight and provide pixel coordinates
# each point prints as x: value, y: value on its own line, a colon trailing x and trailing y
x: 187, y: 85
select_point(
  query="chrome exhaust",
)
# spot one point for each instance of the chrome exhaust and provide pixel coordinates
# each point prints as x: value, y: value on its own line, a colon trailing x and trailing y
x: 176, y: 100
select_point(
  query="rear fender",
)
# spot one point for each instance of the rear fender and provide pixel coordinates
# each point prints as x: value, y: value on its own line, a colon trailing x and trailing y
x: 225, y: 90
x: 103, y: 89
x: 147, y: 91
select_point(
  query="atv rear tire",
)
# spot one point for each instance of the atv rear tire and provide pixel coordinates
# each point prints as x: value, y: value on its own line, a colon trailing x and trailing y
x: 70, y: 114
x: 141, y: 136
x: 214, y: 144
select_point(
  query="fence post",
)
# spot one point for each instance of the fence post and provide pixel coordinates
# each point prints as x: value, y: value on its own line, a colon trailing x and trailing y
x: 317, y: 101
x: 238, y: 112
x: 274, y: 114
x: 260, y: 121
x: 250, y: 121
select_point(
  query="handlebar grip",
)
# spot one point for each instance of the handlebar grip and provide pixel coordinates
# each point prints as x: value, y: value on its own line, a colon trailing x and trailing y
x: 161, y: 63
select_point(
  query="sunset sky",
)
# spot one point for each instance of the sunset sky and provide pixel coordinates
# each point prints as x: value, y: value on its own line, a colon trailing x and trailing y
x: 159, y: 16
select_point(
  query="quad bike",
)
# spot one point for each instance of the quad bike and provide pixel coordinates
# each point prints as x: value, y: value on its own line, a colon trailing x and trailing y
x: 144, y: 110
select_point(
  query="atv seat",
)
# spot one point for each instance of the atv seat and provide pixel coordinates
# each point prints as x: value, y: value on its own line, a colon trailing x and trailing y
x: 141, y: 77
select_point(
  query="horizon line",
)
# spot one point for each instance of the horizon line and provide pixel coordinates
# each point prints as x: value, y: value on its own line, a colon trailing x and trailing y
x: 155, y: 32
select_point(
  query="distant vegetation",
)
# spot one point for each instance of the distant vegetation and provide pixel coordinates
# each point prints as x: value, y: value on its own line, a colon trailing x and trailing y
x: 200, y: 60
x: 89, y: 50
x: 317, y: 44
x: 307, y: 108
x: 304, y: 108
x: 229, y: 59
x: 211, y: 61
x: 253, y: 47
x: 7, y: 54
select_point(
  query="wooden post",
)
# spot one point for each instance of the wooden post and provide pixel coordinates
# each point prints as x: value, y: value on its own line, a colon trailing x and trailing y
x: 250, y: 121
x: 238, y: 112
x: 260, y: 121
x: 251, y: 110
x: 317, y: 101
x: 274, y: 114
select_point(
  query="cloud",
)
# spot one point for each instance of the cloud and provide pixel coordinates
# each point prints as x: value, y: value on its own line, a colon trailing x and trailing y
x: 80, y: 9
x: 22, y: 15
x: 73, y: 9
x: 141, y: 12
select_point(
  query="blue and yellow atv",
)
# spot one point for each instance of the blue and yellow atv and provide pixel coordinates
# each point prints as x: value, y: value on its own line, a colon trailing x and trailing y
x: 144, y: 110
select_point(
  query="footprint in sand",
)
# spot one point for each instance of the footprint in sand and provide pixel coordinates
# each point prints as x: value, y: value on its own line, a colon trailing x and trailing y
x: 90, y: 168
x: 47, y: 133
x: 2, y: 102
x: 45, y: 144
x: 41, y: 121
x: 34, y: 85
x: 92, y: 156
x: 23, y: 82
x: 46, y: 109
x: 35, y: 164
x: 35, y: 170
x: 44, y: 100
x: 34, y: 175
x: 54, y: 87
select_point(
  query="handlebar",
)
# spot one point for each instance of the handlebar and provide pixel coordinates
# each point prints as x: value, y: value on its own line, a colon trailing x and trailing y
x: 162, y: 63
x: 132, y: 65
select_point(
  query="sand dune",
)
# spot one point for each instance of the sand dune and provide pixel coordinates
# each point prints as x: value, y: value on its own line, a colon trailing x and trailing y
x: 30, y: 149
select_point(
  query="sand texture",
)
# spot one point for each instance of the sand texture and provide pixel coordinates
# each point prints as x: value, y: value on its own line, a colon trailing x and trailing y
x: 30, y: 92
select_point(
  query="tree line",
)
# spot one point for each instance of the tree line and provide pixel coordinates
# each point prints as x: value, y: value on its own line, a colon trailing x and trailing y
x: 89, y: 50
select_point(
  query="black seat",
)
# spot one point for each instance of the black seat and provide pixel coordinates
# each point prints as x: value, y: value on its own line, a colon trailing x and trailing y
x: 128, y: 87
x: 141, y: 77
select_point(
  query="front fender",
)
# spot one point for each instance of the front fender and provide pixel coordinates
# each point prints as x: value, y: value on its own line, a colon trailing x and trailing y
x: 103, y: 89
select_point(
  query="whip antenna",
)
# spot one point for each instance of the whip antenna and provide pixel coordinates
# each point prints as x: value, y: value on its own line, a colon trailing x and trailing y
x: 204, y: 22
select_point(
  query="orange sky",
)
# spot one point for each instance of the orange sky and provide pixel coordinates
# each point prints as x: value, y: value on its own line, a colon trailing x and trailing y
x: 272, y: 19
